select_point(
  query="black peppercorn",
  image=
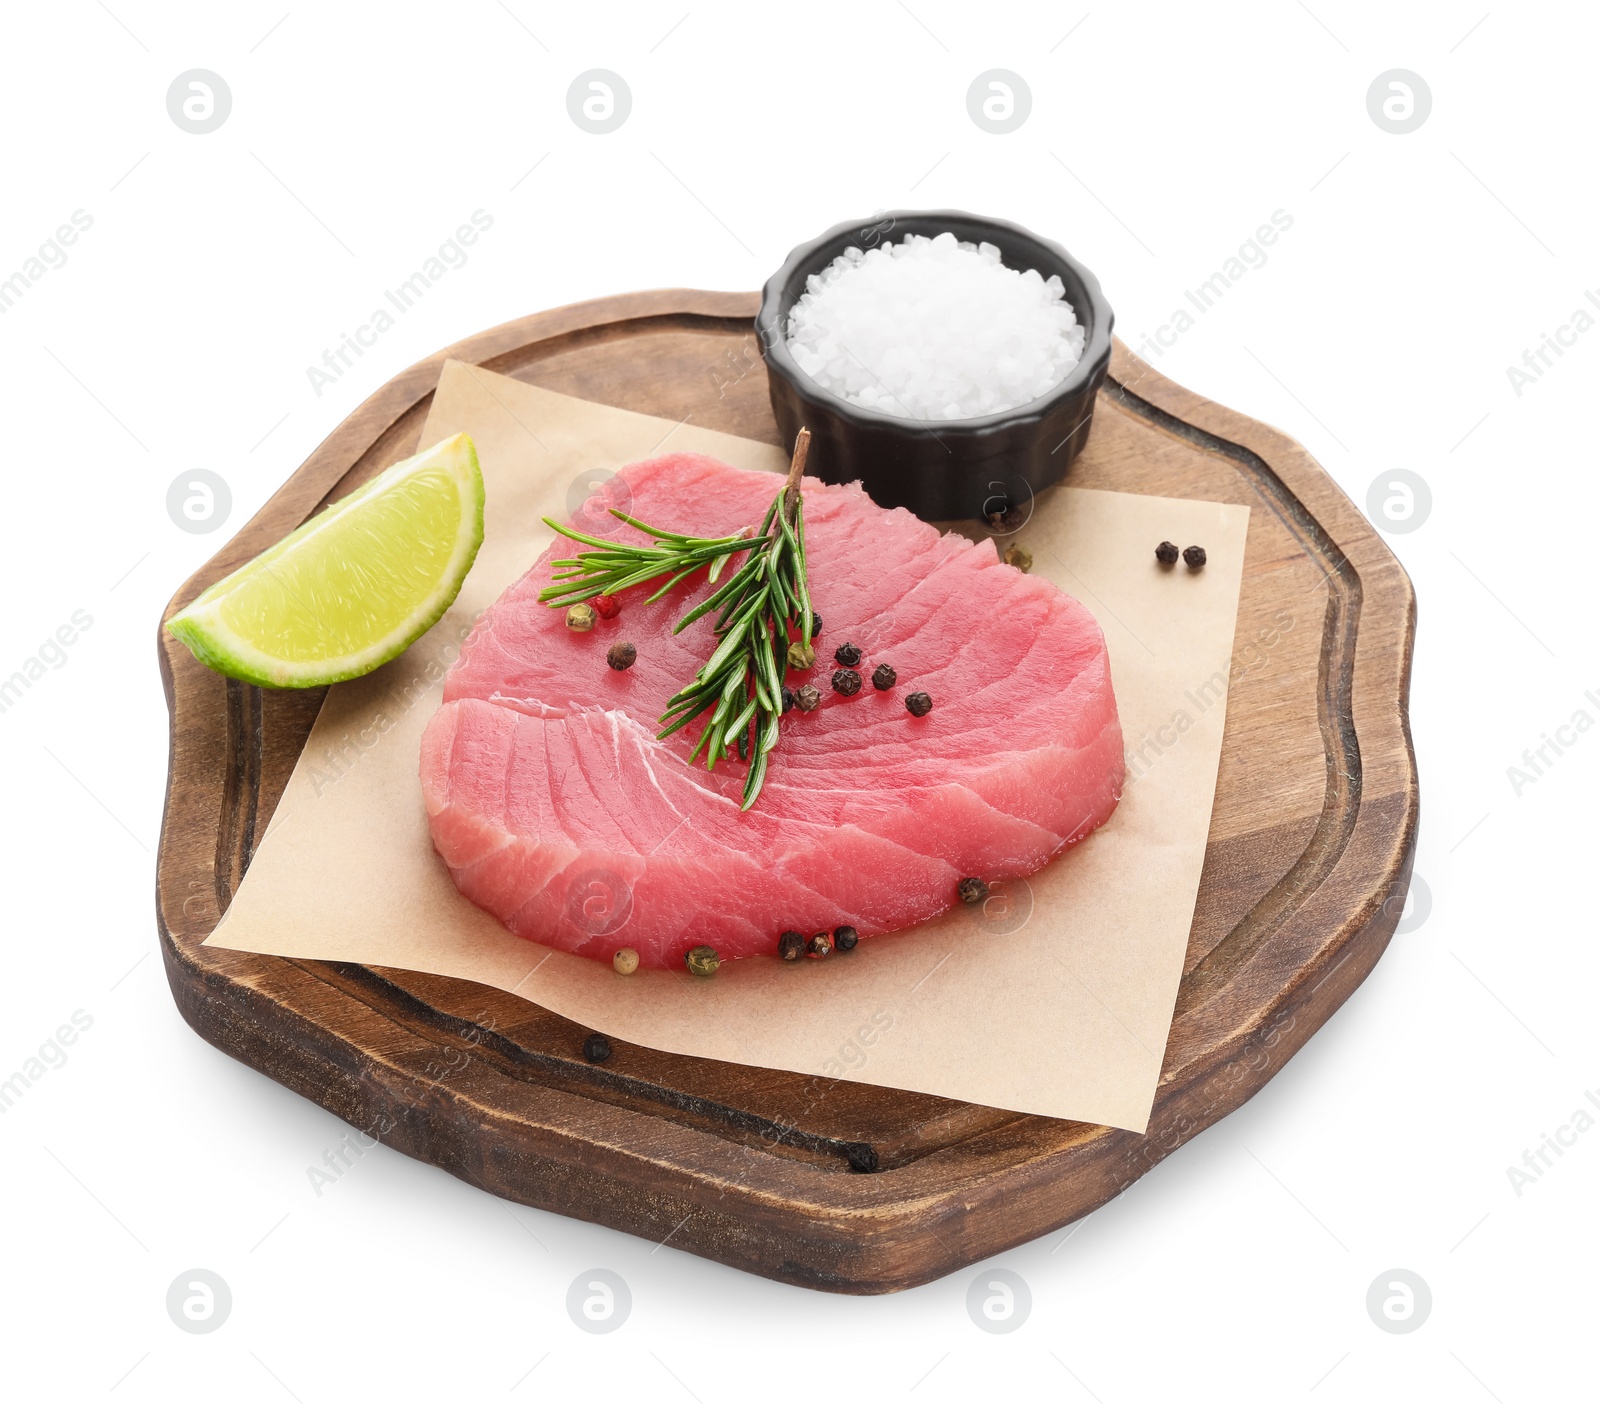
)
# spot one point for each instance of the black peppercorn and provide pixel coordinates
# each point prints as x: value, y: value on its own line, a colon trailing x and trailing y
x: 819, y: 945
x: 1167, y: 553
x: 807, y: 698
x: 919, y: 704
x: 621, y: 656
x: 847, y: 682
x: 788, y: 699
x: 883, y: 677
x: 1011, y: 518
x: 1194, y: 556
x: 847, y: 655
x: 597, y: 1048
x: 791, y: 945
x: 845, y: 938
x: 816, y: 623
x: 863, y: 1160
x: 972, y: 890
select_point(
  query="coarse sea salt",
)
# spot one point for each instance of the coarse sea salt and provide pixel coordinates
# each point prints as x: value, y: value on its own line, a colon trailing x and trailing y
x: 933, y: 329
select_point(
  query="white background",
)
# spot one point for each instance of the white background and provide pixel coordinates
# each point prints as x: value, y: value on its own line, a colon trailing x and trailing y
x: 218, y: 267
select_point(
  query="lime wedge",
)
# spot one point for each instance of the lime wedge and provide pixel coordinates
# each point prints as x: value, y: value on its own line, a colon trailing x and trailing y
x: 354, y: 586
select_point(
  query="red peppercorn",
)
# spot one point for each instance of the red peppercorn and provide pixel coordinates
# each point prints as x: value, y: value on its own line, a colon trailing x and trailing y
x: 607, y: 606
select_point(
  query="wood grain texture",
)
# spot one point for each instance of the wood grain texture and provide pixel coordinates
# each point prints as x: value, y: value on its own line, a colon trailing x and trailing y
x: 838, y: 1186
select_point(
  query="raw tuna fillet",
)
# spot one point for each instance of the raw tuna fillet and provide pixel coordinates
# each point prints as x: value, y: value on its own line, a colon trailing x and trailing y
x: 557, y: 810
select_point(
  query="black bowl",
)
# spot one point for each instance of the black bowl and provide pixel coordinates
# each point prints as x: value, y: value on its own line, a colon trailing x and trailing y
x: 945, y: 469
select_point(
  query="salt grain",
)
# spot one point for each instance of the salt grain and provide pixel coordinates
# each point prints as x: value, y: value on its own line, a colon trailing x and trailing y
x: 933, y: 329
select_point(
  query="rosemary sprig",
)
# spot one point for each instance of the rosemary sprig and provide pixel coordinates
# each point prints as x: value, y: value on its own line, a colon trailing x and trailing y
x: 741, y: 684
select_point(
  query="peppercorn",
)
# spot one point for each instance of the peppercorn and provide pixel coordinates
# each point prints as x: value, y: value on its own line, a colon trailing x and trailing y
x: 702, y: 960
x: 816, y: 623
x: 863, y: 1160
x: 1019, y: 556
x: 625, y: 961
x: 801, y: 655
x: 807, y: 699
x: 845, y: 938
x: 972, y: 890
x: 919, y: 704
x: 883, y: 677
x: 1167, y: 553
x: 607, y: 606
x: 597, y: 1048
x: 788, y: 699
x: 1012, y: 518
x: 581, y: 618
x: 847, y: 655
x: 846, y: 682
x: 1194, y: 557
x: 621, y: 656
x: 819, y: 946
x: 791, y: 945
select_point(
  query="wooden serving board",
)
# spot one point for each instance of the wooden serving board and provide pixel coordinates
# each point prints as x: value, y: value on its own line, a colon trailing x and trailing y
x: 833, y: 1185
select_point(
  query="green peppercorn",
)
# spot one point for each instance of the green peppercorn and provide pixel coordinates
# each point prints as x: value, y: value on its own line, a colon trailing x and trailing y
x: 807, y: 699
x: 972, y: 890
x: 1019, y: 556
x: 846, y: 682
x: 845, y: 938
x: 581, y: 618
x: 819, y: 945
x: 801, y: 655
x: 847, y: 655
x: 702, y: 960
x: 791, y: 945
x: 1167, y: 553
x: 597, y: 1048
x: 919, y: 704
x: 621, y: 656
x: 884, y: 677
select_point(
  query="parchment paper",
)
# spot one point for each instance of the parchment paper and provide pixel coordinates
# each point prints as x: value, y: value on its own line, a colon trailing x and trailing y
x: 1054, y: 998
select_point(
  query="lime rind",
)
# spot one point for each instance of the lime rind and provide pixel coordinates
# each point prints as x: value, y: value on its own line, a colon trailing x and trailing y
x: 211, y: 631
